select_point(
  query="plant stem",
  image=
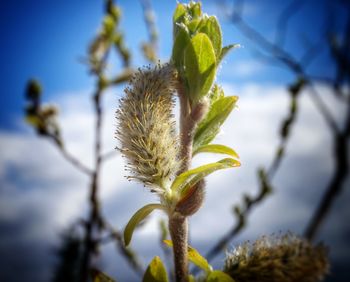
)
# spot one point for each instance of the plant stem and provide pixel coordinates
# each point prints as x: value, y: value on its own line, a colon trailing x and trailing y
x: 187, y: 126
x: 178, y: 224
x: 178, y: 228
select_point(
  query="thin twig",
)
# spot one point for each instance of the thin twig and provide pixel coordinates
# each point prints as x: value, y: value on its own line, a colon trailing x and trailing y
x: 70, y: 158
x: 129, y: 254
x: 94, y: 220
x: 109, y: 155
x: 151, y: 47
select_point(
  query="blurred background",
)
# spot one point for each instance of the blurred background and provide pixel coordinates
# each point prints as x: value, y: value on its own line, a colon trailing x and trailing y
x: 291, y: 74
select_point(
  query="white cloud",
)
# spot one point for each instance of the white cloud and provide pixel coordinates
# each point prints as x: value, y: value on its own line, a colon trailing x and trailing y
x: 37, y: 181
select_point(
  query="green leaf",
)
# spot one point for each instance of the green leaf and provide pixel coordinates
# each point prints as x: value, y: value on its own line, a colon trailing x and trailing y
x: 194, y: 9
x: 136, y: 218
x: 210, y: 126
x: 216, y: 93
x: 226, y: 49
x: 179, y: 13
x: 181, y: 41
x: 193, y: 24
x: 200, y: 66
x: 212, y: 28
x: 224, y: 163
x: 195, y: 257
x: 219, y: 276
x: 99, y: 276
x: 155, y: 272
x: 178, y: 17
x: 200, y: 172
x: 217, y: 149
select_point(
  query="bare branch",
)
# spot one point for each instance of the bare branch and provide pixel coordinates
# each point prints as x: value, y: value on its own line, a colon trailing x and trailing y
x: 69, y: 157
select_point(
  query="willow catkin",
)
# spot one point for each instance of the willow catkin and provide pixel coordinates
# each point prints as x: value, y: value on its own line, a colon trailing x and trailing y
x: 146, y: 127
x: 286, y: 258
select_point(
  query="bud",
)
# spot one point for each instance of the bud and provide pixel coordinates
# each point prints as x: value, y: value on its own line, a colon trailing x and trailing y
x: 286, y: 258
x: 146, y: 127
x: 200, y: 110
x: 33, y: 91
x: 191, y: 202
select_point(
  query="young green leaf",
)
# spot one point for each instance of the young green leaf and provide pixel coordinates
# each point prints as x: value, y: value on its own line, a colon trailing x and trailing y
x: 200, y: 172
x: 226, y: 49
x: 209, y: 168
x: 219, y: 276
x: 178, y: 17
x: 212, y: 28
x: 181, y: 41
x: 217, y: 149
x: 216, y: 93
x: 193, y: 24
x: 200, y: 66
x: 210, y: 126
x: 179, y: 13
x: 99, y: 276
x: 195, y: 9
x: 136, y: 218
x: 155, y: 272
x: 195, y: 257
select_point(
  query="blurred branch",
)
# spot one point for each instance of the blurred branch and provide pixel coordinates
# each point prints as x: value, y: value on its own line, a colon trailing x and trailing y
x: 242, y: 214
x: 128, y: 253
x: 109, y: 155
x: 70, y: 158
x: 340, y: 139
x: 150, y: 49
x: 94, y: 219
x: 274, y: 52
x: 283, y: 20
x: 43, y: 118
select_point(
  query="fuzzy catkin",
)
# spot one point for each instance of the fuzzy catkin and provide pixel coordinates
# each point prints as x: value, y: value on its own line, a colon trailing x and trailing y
x: 287, y: 258
x: 146, y: 127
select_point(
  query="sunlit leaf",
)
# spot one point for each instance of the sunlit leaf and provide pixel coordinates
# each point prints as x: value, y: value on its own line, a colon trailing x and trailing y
x: 200, y: 172
x: 99, y: 276
x: 225, y: 163
x: 195, y: 257
x: 155, y: 272
x: 212, y: 28
x: 216, y: 93
x: 194, y: 9
x: 226, y: 49
x: 200, y: 66
x: 180, y: 11
x: 210, y: 126
x: 178, y: 17
x: 136, y: 218
x: 217, y: 149
x: 219, y: 276
x: 193, y: 24
x: 181, y: 41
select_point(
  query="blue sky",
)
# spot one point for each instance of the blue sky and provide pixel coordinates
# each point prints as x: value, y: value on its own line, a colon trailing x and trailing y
x: 46, y: 40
